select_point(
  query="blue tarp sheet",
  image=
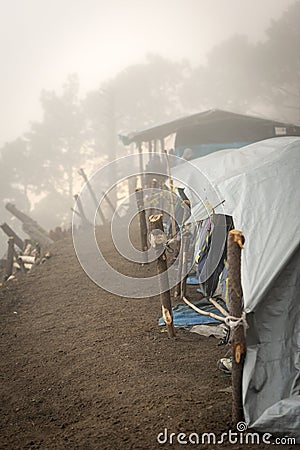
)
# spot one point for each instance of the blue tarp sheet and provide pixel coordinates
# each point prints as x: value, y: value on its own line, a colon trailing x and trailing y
x: 185, y: 317
x: 192, y: 280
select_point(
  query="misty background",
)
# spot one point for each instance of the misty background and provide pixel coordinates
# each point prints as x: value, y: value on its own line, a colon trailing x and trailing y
x: 75, y: 73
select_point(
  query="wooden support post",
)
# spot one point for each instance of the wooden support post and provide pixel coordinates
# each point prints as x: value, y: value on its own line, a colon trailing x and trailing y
x: 141, y: 164
x: 84, y: 219
x: 30, y: 226
x: 93, y: 195
x: 154, y: 200
x: 76, y: 212
x: 186, y: 237
x: 234, y: 246
x: 143, y: 224
x: 106, y: 197
x: 177, y: 290
x: 180, y: 289
x: 10, y: 257
x: 155, y: 223
x: 173, y: 222
x: 10, y: 233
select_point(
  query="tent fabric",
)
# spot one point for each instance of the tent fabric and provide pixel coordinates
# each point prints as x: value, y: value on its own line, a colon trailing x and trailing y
x: 272, y: 371
x: 260, y: 185
x: 200, y: 150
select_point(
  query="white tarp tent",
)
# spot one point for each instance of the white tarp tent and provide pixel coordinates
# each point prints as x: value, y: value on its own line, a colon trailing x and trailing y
x: 260, y: 184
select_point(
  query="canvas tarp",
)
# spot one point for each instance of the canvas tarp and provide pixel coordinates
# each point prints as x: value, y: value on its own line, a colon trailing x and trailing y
x: 260, y: 185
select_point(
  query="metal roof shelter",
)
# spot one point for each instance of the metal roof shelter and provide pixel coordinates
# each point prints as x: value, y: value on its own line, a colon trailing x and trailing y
x: 204, y: 133
x: 215, y: 126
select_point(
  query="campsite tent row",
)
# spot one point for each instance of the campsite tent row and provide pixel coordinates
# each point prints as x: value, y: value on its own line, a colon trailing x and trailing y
x: 260, y: 185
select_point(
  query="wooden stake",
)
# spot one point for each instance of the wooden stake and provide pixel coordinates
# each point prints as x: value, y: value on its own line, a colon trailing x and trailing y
x: 76, y: 212
x: 234, y: 246
x: 141, y: 164
x: 93, y: 195
x: 10, y: 232
x: 30, y: 226
x: 10, y: 257
x: 173, y: 222
x: 154, y: 199
x: 186, y: 237
x: 155, y: 222
x: 180, y: 289
x: 106, y: 197
x: 143, y: 223
x: 84, y: 219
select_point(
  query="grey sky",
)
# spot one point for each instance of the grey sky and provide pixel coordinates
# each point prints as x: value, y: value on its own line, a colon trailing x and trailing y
x: 42, y: 41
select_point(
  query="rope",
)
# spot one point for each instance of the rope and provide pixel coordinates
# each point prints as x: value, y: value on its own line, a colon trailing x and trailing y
x: 201, y: 311
x: 234, y: 322
x: 219, y: 307
x: 230, y: 321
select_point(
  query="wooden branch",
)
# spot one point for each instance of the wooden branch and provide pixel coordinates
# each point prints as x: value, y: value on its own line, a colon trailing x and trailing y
x: 106, y: 197
x: 155, y: 223
x: 180, y: 289
x: 10, y: 257
x: 84, y: 219
x: 93, y: 195
x: 177, y: 290
x: 30, y: 226
x: 186, y: 237
x: 153, y: 200
x: 76, y: 212
x: 235, y: 244
x: 10, y: 233
x: 173, y: 222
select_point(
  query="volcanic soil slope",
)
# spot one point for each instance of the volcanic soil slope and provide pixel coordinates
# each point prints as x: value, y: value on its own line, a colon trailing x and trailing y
x: 84, y: 369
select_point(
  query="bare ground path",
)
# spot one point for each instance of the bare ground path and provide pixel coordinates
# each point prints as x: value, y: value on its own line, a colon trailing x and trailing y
x: 83, y: 369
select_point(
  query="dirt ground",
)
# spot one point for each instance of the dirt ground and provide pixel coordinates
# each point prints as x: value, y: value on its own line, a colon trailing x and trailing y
x: 84, y: 369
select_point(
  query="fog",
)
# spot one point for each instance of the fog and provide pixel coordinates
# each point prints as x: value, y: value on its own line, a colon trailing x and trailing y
x: 42, y: 42
x: 75, y: 74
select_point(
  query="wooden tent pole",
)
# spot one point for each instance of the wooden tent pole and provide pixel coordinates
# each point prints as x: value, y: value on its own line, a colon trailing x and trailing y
x: 186, y: 237
x: 143, y: 223
x: 76, y: 212
x: 234, y: 246
x: 155, y: 222
x: 10, y: 257
x: 141, y: 164
x: 106, y: 197
x: 179, y: 286
x: 173, y: 222
x: 10, y: 233
x: 93, y: 195
x: 154, y: 200
x: 81, y: 210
